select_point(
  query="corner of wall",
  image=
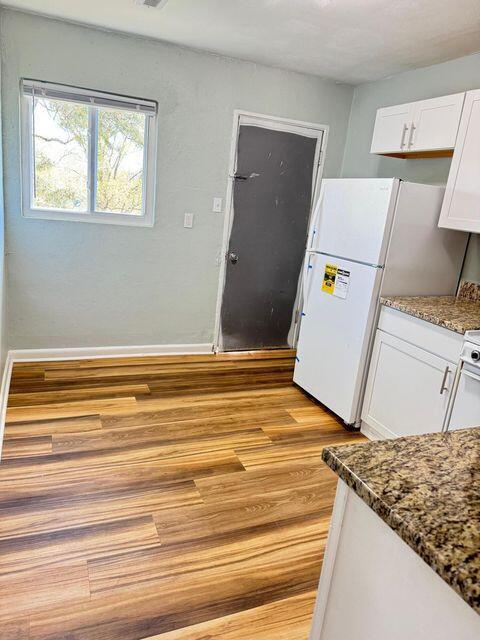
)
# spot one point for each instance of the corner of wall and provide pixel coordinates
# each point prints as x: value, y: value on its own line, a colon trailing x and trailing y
x: 347, y: 135
x: 3, y: 351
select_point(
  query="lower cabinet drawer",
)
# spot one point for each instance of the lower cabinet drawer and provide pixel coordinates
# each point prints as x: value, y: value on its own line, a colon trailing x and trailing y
x: 430, y: 337
x: 407, y: 388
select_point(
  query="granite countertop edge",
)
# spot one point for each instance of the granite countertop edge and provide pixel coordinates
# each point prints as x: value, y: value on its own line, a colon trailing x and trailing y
x: 410, y: 305
x: 402, y: 527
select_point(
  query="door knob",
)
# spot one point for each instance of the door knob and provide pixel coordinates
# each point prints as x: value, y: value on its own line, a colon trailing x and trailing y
x: 233, y: 257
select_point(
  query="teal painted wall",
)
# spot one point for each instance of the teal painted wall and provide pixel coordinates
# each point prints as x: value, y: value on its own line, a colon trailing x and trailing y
x: 75, y: 284
x: 3, y: 343
x: 441, y: 79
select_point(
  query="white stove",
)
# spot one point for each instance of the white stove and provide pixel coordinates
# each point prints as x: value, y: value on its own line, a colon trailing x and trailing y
x: 464, y: 404
x: 471, y: 349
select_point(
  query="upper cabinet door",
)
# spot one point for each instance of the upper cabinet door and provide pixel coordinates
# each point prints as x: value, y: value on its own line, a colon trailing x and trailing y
x: 435, y: 123
x: 461, y: 205
x: 392, y: 126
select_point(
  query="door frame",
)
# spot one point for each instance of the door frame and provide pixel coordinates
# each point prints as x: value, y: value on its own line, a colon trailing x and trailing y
x: 277, y: 123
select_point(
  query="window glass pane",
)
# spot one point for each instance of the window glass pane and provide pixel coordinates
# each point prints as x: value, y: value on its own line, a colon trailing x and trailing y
x: 60, y: 155
x: 121, y: 137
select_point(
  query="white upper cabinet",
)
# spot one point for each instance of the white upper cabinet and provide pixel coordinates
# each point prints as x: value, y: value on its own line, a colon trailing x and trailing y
x: 391, y: 128
x: 435, y: 123
x: 418, y: 127
x: 461, y: 205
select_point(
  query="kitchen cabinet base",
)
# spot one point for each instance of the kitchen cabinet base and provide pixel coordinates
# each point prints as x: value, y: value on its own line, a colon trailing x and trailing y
x: 441, y: 153
x: 374, y: 586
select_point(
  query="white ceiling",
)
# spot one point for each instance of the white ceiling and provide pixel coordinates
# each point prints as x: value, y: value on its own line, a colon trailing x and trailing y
x: 347, y: 40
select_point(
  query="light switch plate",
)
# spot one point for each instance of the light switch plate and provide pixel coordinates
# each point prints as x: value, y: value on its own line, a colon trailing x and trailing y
x: 188, y: 220
x: 217, y: 205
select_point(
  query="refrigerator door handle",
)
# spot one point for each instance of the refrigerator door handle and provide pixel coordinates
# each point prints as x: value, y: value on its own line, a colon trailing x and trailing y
x: 314, y: 222
x: 307, y: 277
x: 366, y: 264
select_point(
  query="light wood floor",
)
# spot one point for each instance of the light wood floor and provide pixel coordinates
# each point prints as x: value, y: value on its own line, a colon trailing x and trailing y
x: 175, y: 498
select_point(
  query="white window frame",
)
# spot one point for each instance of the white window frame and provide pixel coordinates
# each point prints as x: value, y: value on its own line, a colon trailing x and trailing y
x: 146, y: 219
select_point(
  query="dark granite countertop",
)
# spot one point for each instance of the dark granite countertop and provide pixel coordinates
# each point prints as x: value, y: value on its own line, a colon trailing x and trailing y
x: 427, y: 489
x: 454, y: 313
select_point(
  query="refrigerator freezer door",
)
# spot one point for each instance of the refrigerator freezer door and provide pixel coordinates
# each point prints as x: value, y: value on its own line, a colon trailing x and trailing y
x: 335, y: 333
x: 352, y: 218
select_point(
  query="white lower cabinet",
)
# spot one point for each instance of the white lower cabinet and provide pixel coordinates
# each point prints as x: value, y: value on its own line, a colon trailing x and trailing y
x: 407, y: 390
x: 408, y: 386
x: 375, y: 587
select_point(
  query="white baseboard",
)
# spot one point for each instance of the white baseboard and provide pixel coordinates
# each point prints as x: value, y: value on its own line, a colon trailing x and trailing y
x: 80, y: 353
x: 4, y: 389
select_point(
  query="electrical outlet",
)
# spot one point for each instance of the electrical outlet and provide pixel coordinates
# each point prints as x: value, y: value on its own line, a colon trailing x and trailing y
x: 188, y: 220
x: 217, y: 205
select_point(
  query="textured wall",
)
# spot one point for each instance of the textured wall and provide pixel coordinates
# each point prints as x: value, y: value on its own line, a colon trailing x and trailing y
x: 3, y: 344
x: 441, y: 79
x: 77, y: 284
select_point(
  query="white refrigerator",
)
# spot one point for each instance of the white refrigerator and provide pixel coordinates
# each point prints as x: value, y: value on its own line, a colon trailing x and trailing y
x: 367, y: 238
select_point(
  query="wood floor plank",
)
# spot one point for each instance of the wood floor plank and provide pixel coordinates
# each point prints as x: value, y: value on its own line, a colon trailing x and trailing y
x: 171, y: 497
x: 40, y: 590
x: 70, y: 409
x: 268, y: 549
x: 87, y: 363
x: 81, y: 543
x: 319, y: 431
x: 207, y: 384
x: 36, y: 428
x: 26, y: 447
x: 254, y: 457
x: 171, y: 432
x: 193, y: 523
x: 146, y: 371
x: 52, y: 514
x: 73, y: 466
x: 263, y: 481
x: 310, y: 412
x: 286, y: 619
x: 62, y: 481
x: 144, y: 439
x: 15, y: 630
x: 183, y: 586
x: 159, y: 412
x: 71, y: 395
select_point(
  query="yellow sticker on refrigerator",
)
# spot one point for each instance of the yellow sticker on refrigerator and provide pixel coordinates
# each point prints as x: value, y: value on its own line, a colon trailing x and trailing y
x: 329, y: 278
x: 336, y: 281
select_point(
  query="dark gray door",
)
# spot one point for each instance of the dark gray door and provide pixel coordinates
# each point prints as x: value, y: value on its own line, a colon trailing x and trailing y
x: 271, y: 205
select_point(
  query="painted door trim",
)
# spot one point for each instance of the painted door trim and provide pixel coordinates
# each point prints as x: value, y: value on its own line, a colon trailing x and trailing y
x: 268, y: 122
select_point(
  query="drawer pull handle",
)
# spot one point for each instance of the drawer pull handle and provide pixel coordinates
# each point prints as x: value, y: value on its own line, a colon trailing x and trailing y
x: 444, y: 380
x: 410, y: 138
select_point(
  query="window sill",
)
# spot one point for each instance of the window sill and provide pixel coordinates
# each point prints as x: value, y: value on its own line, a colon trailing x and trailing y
x: 96, y: 218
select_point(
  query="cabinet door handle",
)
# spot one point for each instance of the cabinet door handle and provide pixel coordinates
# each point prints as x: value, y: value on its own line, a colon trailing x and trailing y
x: 444, y: 380
x: 410, y: 137
x: 404, y: 133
